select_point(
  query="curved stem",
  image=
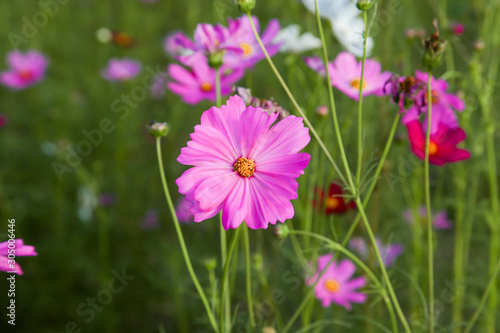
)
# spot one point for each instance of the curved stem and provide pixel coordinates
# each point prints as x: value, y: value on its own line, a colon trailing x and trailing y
x: 360, y: 104
x: 294, y: 102
x: 224, y: 286
x: 332, y: 104
x: 178, y: 230
x: 430, y: 247
x: 249, y: 277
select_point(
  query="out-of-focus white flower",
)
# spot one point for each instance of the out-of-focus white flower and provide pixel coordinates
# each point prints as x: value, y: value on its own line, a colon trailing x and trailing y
x: 293, y: 42
x: 346, y: 22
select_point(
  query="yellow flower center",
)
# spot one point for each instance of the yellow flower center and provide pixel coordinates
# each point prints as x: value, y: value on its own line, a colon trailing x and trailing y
x: 332, y: 203
x: 356, y: 83
x: 433, y: 148
x: 435, y: 97
x: 332, y: 285
x: 247, y: 49
x: 206, y: 86
x: 245, y: 167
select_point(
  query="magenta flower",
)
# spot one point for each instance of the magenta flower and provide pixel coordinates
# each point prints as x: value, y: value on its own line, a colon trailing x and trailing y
x: 26, y: 69
x: 389, y: 252
x: 335, y: 284
x: 345, y: 75
x: 442, y: 145
x: 20, y: 250
x: 199, y: 83
x: 457, y: 28
x: 439, y: 221
x: 242, y: 167
x: 182, y: 210
x: 121, y: 69
x: 241, y: 34
x: 443, y: 104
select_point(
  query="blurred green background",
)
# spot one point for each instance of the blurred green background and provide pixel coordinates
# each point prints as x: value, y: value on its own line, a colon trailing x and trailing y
x: 76, y: 258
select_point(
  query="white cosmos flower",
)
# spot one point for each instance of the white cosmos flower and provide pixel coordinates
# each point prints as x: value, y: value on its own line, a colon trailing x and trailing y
x: 347, y: 24
x: 293, y: 42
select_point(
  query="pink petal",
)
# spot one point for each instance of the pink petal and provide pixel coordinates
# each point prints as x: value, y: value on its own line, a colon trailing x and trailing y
x: 236, y: 205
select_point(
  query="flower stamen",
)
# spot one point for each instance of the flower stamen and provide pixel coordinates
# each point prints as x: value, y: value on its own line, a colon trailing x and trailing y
x: 245, y: 167
x: 332, y: 285
x: 433, y: 148
x: 206, y: 86
x: 247, y: 49
x: 356, y: 83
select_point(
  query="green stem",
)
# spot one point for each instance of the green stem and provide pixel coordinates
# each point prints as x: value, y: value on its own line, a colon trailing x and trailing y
x: 360, y: 104
x: 476, y: 314
x: 430, y: 247
x: 249, y: 277
x: 332, y: 104
x: 178, y: 230
x: 294, y: 102
x: 217, y: 87
x: 223, y: 296
x: 375, y: 177
x: 382, y: 266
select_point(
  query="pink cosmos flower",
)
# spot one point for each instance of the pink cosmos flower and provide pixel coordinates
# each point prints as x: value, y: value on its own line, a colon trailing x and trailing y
x: 182, y: 210
x: 26, y: 69
x: 335, y: 284
x: 242, y: 35
x: 388, y: 252
x: 243, y: 167
x: 442, y: 145
x: 20, y: 250
x: 439, y: 221
x: 457, y: 28
x: 199, y: 83
x: 345, y: 75
x: 443, y: 104
x: 121, y: 69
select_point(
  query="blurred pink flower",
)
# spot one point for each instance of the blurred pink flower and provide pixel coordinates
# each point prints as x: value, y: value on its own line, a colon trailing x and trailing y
x: 159, y: 85
x: 457, y: 28
x: 335, y: 284
x: 182, y: 210
x: 199, y: 83
x: 150, y: 220
x: 443, y: 104
x: 26, y: 69
x: 442, y: 145
x: 20, y: 250
x: 388, y: 252
x: 345, y: 75
x: 3, y: 120
x: 439, y: 221
x: 121, y: 69
x: 242, y: 167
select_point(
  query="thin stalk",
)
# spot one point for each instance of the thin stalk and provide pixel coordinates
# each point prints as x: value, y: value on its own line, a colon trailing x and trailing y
x: 178, y: 230
x: 294, y: 102
x: 476, y: 314
x: 375, y: 177
x: 249, y: 277
x: 382, y: 266
x: 332, y: 104
x: 223, y: 296
x: 360, y: 103
x: 217, y: 87
x: 430, y: 247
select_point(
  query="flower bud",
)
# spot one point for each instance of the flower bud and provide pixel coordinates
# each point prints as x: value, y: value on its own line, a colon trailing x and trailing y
x: 364, y: 4
x: 281, y: 231
x: 245, y: 5
x: 322, y: 110
x: 104, y: 35
x: 210, y: 264
x: 215, y: 59
x: 157, y: 129
x: 434, y: 50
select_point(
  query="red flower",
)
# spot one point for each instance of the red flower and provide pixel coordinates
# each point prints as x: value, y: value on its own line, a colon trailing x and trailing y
x: 442, y: 146
x: 335, y: 203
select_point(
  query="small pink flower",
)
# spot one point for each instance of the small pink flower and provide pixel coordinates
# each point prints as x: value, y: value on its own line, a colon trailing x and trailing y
x: 443, y: 104
x: 121, y: 69
x: 322, y: 110
x: 442, y: 145
x: 345, y: 74
x: 182, y: 210
x: 388, y: 252
x: 439, y: 221
x: 335, y: 284
x: 3, y: 120
x: 26, y: 69
x: 159, y: 85
x: 150, y: 220
x: 243, y: 167
x: 20, y: 250
x: 199, y: 83
x: 457, y: 28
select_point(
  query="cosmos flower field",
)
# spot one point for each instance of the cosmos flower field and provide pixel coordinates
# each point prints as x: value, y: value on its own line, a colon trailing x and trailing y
x: 249, y: 166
